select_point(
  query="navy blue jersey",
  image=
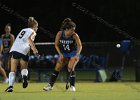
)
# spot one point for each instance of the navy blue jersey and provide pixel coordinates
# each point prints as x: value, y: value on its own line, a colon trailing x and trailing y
x: 6, y: 41
x: 67, y: 44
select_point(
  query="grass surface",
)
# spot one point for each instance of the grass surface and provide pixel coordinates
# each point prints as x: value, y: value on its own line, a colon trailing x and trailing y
x: 128, y: 74
x: 85, y: 91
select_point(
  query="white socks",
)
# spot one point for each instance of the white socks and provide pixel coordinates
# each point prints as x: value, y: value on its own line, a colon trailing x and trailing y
x: 11, y: 78
x: 24, y: 72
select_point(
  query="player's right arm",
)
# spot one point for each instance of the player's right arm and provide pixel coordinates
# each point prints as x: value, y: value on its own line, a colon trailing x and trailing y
x: 57, y: 38
x: 12, y: 39
x: 1, y: 46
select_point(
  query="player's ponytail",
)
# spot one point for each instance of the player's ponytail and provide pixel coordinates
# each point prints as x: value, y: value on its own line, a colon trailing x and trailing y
x: 30, y: 19
x: 66, y: 20
x: 31, y: 22
x: 67, y: 23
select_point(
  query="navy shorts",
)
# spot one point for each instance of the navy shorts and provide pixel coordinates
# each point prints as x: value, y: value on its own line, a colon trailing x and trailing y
x: 17, y: 55
x: 5, y: 56
x: 69, y: 55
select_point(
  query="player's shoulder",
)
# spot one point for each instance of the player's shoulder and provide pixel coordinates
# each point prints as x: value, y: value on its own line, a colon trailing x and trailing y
x: 59, y: 33
x: 2, y: 35
x: 27, y: 29
x: 12, y: 35
x: 75, y: 34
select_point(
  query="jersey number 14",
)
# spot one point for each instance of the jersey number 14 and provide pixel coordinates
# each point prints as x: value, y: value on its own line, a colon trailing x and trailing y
x: 66, y: 47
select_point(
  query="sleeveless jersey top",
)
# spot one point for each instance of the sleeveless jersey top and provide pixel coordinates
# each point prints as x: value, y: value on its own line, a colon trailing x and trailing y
x: 6, y: 41
x: 21, y: 43
x: 67, y: 44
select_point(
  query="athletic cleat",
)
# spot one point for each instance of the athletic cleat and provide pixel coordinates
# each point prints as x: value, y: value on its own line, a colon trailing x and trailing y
x: 48, y: 88
x: 6, y: 81
x: 9, y: 89
x: 72, y: 88
x: 25, y: 81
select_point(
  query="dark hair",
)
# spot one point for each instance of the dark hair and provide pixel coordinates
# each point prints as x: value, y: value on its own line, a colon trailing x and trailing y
x: 8, y: 24
x: 31, y: 22
x: 67, y: 24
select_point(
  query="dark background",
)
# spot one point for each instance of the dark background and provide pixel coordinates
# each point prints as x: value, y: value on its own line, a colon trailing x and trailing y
x: 124, y: 14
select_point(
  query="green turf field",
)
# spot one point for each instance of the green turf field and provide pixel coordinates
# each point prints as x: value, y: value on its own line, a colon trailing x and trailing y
x: 85, y: 91
x: 128, y: 74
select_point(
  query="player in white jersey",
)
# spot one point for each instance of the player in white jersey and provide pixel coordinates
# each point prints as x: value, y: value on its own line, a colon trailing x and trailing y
x: 22, y: 41
x: 19, y: 52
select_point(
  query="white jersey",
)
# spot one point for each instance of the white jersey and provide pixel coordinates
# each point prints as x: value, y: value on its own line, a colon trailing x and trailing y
x: 21, y: 43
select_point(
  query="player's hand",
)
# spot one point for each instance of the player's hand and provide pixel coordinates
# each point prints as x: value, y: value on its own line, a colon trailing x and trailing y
x: 35, y: 51
x: 36, y: 54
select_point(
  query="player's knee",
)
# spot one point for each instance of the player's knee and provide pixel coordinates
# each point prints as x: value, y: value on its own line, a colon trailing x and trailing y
x: 75, y: 59
x: 58, y: 68
x: 70, y: 69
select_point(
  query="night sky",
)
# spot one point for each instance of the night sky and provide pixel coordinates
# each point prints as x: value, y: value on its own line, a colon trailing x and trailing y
x: 125, y: 14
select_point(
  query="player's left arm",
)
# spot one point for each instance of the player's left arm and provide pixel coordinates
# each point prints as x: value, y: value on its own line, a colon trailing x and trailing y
x: 2, y: 36
x: 78, y: 42
x: 1, y: 48
x: 12, y: 39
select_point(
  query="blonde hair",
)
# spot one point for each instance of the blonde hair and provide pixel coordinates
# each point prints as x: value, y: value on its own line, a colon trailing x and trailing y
x: 31, y: 22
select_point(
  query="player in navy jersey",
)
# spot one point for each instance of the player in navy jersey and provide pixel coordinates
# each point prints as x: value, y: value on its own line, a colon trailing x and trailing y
x: 2, y: 71
x: 7, y: 41
x: 68, y: 46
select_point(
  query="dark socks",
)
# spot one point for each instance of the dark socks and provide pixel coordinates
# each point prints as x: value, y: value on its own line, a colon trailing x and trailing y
x: 53, y: 77
x: 72, y: 78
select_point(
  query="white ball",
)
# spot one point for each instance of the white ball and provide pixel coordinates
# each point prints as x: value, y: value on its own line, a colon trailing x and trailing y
x: 118, y: 45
